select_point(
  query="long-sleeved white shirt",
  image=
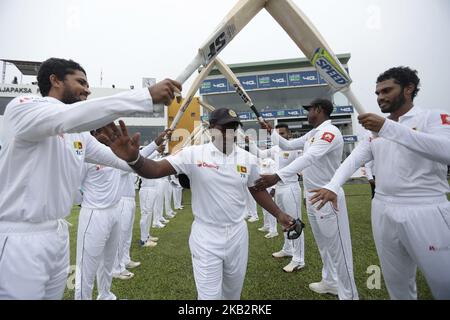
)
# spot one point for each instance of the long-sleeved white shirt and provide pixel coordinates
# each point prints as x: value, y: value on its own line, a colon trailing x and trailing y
x: 101, y: 186
x: 150, y: 183
x: 127, y: 184
x: 267, y: 166
x: 282, y: 159
x: 322, y: 155
x: 410, y: 156
x: 42, y: 155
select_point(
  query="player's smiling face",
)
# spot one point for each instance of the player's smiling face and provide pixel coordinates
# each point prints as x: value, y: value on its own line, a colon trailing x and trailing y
x: 76, y: 87
x: 390, y: 96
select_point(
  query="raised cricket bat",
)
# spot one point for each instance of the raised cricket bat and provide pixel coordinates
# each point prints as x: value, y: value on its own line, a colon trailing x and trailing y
x: 190, y: 94
x: 226, y: 71
x: 313, y: 45
x: 228, y: 28
x: 206, y: 105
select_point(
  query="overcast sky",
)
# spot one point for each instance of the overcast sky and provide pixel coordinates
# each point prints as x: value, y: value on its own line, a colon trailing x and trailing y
x: 132, y: 39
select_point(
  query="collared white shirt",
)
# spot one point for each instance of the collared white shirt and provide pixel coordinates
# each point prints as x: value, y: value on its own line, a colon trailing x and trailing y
x: 410, y: 156
x: 218, y: 181
x: 42, y: 156
x: 322, y: 155
x: 101, y: 186
x: 150, y: 183
x: 127, y: 187
x: 282, y: 159
x: 267, y: 166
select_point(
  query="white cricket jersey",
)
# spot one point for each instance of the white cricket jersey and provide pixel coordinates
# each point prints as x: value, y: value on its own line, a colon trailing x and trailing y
x: 267, y: 166
x: 218, y: 181
x: 42, y: 157
x: 282, y: 159
x: 100, y: 186
x: 322, y: 155
x: 150, y: 183
x: 410, y: 156
x: 127, y: 184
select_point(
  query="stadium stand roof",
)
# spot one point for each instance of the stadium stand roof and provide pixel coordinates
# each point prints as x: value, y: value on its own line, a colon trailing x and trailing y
x: 27, y: 68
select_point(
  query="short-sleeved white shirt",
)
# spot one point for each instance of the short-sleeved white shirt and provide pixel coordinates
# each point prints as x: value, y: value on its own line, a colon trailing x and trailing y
x: 218, y: 181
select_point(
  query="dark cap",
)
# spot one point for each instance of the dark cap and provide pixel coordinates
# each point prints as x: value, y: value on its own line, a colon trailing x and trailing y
x: 324, y: 103
x: 223, y: 116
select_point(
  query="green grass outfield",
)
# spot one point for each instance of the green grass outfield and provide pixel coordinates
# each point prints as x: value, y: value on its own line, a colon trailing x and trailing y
x: 166, y: 270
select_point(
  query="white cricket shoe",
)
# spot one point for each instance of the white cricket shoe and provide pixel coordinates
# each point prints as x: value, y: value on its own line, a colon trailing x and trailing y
x: 263, y: 229
x: 132, y: 264
x: 323, y: 288
x: 148, y: 243
x: 253, y: 219
x: 271, y: 235
x: 293, y: 266
x: 124, y: 275
x: 281, y: 254
x: 154, y: 239
x: 170, y: 215
x: 158, y: 225
x: 163, y: 220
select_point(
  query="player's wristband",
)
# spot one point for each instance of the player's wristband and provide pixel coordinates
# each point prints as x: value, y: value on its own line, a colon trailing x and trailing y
x: 132, y: 163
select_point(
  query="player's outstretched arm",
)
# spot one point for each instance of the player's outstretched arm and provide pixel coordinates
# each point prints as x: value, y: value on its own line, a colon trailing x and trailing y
x: 127, y: 148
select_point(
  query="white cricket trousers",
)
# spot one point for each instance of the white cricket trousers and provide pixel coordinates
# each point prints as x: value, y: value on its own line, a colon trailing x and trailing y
x: 177, y: 196
x: 128, y: 205
x: 34, y: 260
x: 147, y: 198
x: 411, y: 232
x: 219, y: 259
x: 167, y: 196
x: 331, y: 231
x: 288, y: 199
x: 97, y: 244
x: 270, y: 222
x: 252, y: 211
x: 158, y: 207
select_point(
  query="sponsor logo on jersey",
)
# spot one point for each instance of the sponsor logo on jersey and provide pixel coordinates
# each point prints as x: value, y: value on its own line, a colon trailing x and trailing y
x: 202, y: 164
x: 328, y: 137
x: 445, y: 119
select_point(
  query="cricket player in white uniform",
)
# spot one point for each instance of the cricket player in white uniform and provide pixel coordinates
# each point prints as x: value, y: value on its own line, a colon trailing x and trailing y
x: 410, y: 210
x: 177, y: 193
x: 128, y: 203
x: 219, y: 172
x: 98, y: 231
x: 40, y: 168
x: 101, y: 225
x: 267, y: 166
x: 147, y: 198
x: 322, y: 155
x: 287, y: 197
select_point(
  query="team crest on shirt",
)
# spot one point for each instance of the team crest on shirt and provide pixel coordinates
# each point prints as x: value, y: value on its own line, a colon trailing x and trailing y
x: 78, y: 146
x: 328, y: 137
x: 242, y: 170
x: 445, y: 119
x: 285, y: 155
